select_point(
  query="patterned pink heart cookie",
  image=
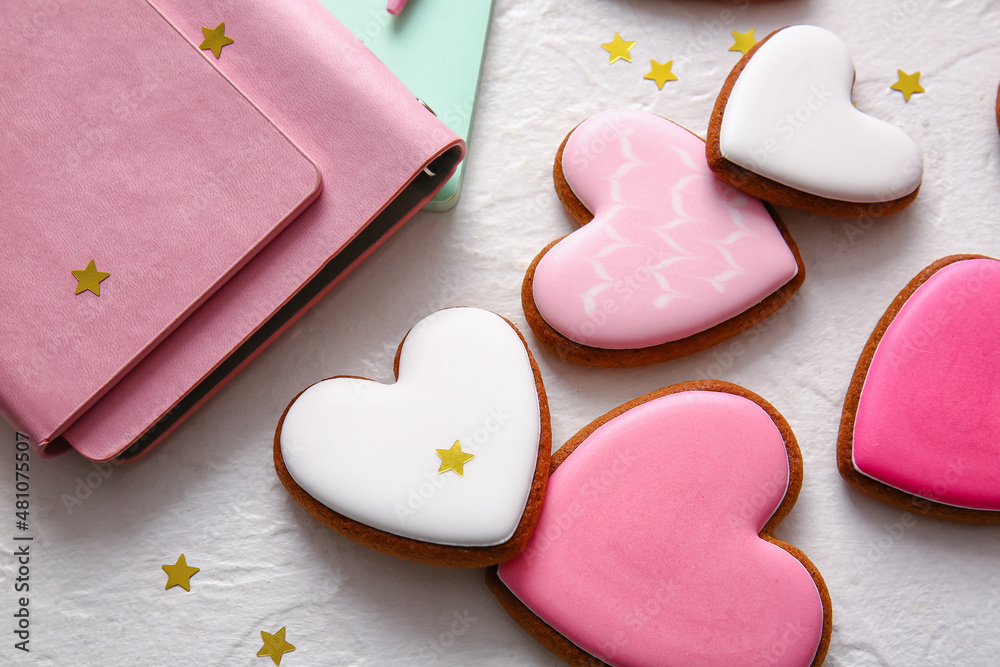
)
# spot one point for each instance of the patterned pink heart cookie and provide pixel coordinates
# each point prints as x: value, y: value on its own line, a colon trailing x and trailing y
x: 669, y: 260
x: 654, y: 546
x: 921, y: 422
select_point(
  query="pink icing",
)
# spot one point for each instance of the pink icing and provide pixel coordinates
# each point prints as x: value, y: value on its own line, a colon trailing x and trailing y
x: 671, y: 251
x: 928, y: 421
x: 647, y: 549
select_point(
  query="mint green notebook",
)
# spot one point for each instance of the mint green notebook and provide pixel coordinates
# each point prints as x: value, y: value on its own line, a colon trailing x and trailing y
x: 436, y: 48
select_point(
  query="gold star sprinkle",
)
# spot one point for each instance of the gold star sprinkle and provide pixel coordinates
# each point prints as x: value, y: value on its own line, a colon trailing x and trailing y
x: 179, y: 574
x: 454, y: 459
x: 274, y: 645
x: 908, y: 84
x: 618, y: 48
x: 744, y: 41
x: 660, y: 73
x: 215, y: 39
x: 89, y: 279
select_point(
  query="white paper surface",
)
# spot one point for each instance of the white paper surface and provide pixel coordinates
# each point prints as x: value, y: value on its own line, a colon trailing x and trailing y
x: 906, y: 591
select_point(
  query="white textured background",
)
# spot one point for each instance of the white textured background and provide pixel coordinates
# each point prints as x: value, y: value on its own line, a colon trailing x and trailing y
x: 905, y: 592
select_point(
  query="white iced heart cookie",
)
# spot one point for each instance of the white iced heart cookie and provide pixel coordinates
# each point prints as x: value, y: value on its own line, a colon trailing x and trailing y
x: 784, y: 129
x: 447, y: 466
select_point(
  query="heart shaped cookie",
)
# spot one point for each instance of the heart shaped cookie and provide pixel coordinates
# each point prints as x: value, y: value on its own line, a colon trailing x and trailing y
x: 654, y: 546
x: 447, y: 466
x: 669, y: 260
x: 784, y: 130
x: 921, y: 422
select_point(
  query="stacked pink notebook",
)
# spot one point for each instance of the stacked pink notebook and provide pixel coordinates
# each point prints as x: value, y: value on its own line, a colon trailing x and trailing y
x: 221, y: 197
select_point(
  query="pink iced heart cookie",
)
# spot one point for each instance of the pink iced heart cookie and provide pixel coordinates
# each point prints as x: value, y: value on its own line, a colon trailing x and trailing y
x: 669, y: 260
x: 921, y: 422
x: 654, y: 547
x: 784, y: 129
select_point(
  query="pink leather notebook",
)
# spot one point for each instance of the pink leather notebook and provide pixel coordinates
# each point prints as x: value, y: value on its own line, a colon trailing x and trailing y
x: 127, y: 159
x: 382, y: 156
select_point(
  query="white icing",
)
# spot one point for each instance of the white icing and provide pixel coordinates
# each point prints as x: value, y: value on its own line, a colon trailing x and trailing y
x: 789, y: 118
x: 368, y: 450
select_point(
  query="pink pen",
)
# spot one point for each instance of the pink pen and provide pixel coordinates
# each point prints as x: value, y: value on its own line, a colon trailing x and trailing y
x: 396, y: 6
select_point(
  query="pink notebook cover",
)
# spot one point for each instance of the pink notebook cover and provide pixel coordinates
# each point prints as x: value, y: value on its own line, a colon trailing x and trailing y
x: 119, y: 144
x: 372, y: 141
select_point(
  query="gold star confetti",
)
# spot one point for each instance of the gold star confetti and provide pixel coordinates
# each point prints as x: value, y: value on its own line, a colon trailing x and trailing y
x: 618, y: 48
x: 89, y: 279
x: 660, y: 73
x: 274, y: 645
x: 908, y: 84
x: 454, y: 459
x: 744, y: 41
x: 179, y: 574
x: 215, y: 39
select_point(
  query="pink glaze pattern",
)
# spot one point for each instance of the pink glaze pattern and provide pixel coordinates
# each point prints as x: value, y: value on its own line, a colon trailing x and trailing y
x: 928, y: 420
x: 647, y: 549
x: 671, y: 251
